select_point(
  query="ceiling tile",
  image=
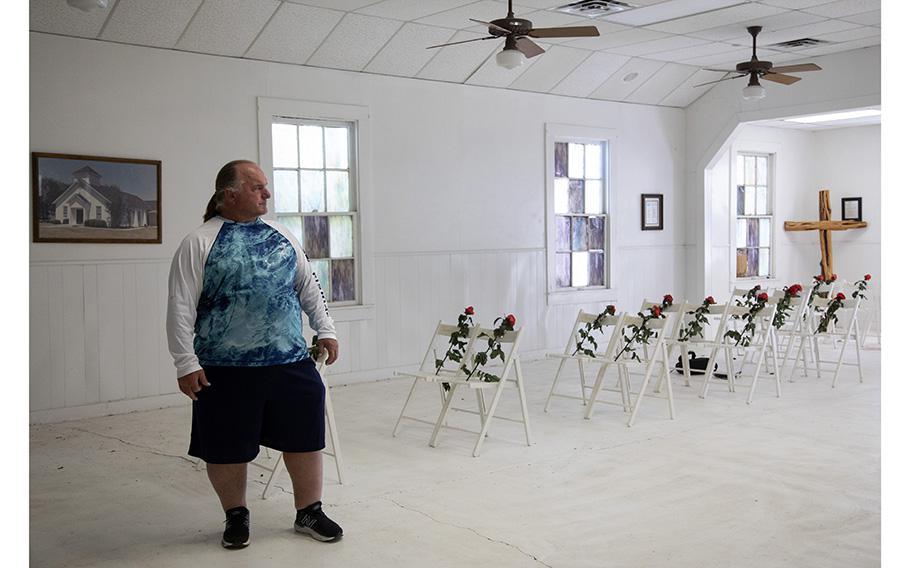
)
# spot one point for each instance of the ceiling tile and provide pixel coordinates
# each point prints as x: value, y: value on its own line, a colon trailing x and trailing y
x: 456, y: 63
x: 795, y: 4
x: 852, y: 34
x: 590, y: 74
x: 407, y: 52
x: 798, y: 32
x: 658, y: 45
x: 768, y: 24
x: 729, y: 59
x: 342, y: 5
x: 661, y: 84
x: 492, y: 75
x: 294, y: 33
x: 56, y: 17
x: 873, y: 18
x: 353, y: 42
x: 157, y: 24
x: 845, y: 8
x: 410, y: 9
x: 551, y: 68
x: 627, y: 79
x: 619, y: 38
x: 687, y: 93
x: 458, y: 18
x: 733, y: 14
x: 668, y: 10
x: 837, y: 48
x: 226, y: 27
x: 702, y: 50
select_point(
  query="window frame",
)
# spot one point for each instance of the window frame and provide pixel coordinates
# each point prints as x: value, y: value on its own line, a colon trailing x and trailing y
x: 582, y: 134
x: 325, y: 114
x: 773, y: 152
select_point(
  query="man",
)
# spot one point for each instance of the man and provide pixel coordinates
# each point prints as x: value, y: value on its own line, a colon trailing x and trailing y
x: 237, y: 287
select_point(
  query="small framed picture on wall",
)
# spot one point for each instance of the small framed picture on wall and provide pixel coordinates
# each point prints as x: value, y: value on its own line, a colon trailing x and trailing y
x: 652, y: 212
x: 851, y: 209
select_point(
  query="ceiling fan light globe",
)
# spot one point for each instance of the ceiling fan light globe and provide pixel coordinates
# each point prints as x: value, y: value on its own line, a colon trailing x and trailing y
x: 87, y: 5
x: 509, y: 58
x: 753, y: 92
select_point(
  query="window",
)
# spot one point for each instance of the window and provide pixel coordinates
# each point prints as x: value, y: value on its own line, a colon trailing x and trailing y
x: 314, y: 196
x: 97, y: 212
x: 66, y: 212
x: 754, y: 219
x: 578, y: 213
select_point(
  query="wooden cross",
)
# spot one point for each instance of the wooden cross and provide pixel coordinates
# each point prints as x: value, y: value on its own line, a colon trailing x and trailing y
x: 824, y: 226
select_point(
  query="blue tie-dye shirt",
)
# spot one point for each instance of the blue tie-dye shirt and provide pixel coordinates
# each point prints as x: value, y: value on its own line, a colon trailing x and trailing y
x: 249, y: 313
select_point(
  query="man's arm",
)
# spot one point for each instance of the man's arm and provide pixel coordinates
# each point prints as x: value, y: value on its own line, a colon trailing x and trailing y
x: 184, y: 287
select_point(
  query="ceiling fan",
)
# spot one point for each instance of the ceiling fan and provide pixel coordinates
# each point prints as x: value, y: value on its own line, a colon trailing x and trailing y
x: 517, y: 31
x: 764, y: 69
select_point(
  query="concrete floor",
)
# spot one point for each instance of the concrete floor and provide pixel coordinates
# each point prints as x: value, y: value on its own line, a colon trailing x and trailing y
x: 785, y: 482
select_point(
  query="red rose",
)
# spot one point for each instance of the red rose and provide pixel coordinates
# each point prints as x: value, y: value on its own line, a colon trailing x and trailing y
x: 819, y: 278
x: 867, y: 277
x: 655, y: 311
x: 795, y: 289
x: 833, y: 277
x: 611, y: 309
x: 510, y: 319
x: 840, y: 296
x: 799, y: 287
x: 757, y: 287
x: 469, y: 311
x: 763, y: 297
x: 668, y: 299
x: 710, y: 300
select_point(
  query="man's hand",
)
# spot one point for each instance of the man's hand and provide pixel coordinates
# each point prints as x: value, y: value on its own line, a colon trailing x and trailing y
x: 330, y: 346
x: 192, y: 383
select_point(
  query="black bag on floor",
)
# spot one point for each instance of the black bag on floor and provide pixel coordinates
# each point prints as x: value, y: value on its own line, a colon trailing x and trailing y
x: 697, y: 365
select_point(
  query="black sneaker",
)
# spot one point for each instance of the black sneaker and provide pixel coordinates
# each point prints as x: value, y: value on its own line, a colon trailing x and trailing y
x: 314, y: 522
x: 237, y: 528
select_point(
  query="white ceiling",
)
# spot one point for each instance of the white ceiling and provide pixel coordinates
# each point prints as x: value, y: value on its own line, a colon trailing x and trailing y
x: 827, y: 125
x: 654, y: 64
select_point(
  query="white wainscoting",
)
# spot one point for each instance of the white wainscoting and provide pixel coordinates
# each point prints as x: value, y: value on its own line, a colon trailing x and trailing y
x: 97, y: 341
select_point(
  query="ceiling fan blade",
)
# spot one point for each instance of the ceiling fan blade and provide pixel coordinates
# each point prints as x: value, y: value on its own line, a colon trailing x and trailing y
x: 721, y: 70
x: 491, y: 25
x: 780, y: 78
x: 796, y: 68
x: 718, y: 81
x: 528, y: 47
x: 571, y: 31
x: 463, y: 41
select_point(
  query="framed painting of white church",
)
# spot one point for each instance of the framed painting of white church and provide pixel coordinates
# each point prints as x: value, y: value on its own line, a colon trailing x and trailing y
x: 94, y: 199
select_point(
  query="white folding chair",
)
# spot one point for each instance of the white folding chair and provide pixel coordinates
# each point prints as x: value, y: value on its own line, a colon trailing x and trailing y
x: 427, y: 373
x: 334, y: 453
x: 648, y: 359
x: 717, y: 318
x: 509, y: 373
x: 851, y: 331
x: 796, y: 323
x: 606, y: 340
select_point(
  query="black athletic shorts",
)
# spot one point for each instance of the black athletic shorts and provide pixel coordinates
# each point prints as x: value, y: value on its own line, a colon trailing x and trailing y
x: 281, y: 407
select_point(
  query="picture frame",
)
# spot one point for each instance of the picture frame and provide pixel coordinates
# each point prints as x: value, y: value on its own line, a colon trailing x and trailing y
x: 95, y: 199
x: 652, y: 212
x: 851, y: 209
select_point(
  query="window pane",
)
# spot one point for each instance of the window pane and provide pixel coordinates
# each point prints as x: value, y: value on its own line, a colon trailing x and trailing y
x: 577, y: 161
x: 342, y: 280
x: 579, y: 233
x: 294, y: 225
x: 761, y: 200
x: 761, y: 163
x: 593, y: 159
x: 341, y: 237
x: 740, y: 170
x: 576, y: 196
x: 337, y: 192
x: 561, y: 195
x: 286, y: 192
x: 741, y: 263
x: 764, y: 262
x: 336, y: 148
x: 562, y: 159
x: 563, y: 230
x: 284, y: 146
x: 740, y: 200
x: 316, y: 233
x: 750, y: 200
x: 596, y: 233
x: 321, y: 269
x: 594, y: 196
x: 764, y: 232
x: 312, y: 191
x: 741, y: 232
x: 750, y: 170
x: 752, y: 255
x: 563, y: 264
x: 579, y: 269
x: 311, y: 146
x: 752, y: 236
x: 596, y: 269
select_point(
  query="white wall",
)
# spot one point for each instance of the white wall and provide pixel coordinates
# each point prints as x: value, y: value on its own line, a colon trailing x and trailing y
x: 457, y: 190
x: 846, y: 161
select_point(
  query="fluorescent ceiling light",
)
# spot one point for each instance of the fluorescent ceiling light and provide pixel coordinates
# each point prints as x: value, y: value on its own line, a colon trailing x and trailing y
x: 669, y: 10
x: 835, y: 116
